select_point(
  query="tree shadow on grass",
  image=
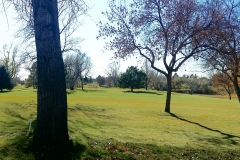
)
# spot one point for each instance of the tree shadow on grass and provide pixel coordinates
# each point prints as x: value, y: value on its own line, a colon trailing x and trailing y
x: 144, y: 92
x: 57, y: 150
x: 51, y: 149
x: 5, y: 91
x: 227, y: 136
x: 84, y: 90
x: 92, y: 90
x: 22, y: 146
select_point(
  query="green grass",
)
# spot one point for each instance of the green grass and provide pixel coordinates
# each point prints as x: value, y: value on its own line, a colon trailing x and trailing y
x: 115, y: 123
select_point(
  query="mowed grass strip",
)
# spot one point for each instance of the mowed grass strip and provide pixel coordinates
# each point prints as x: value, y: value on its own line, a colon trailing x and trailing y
x: 104, y: 115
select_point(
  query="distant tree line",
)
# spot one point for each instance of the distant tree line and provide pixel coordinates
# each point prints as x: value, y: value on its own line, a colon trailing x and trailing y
x: 218, y: 83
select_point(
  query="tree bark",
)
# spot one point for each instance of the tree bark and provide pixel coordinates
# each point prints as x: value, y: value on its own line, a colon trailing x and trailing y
x: 169, y: 92
x: 51, y: 95
x: 236, y: 86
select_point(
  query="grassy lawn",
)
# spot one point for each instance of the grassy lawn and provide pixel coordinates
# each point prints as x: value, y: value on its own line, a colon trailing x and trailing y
x: 116, y: 124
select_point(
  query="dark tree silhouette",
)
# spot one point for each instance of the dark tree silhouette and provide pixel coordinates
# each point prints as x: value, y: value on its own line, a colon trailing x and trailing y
x: 5, y: 79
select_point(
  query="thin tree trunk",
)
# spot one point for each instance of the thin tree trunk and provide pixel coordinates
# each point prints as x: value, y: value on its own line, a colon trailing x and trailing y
x: 169, y: 92
x: 229, y: 94
x: 51, y: 95
x: 131, y: 89
x: 81, y: 82
x: 228, y: 90
x: 146, y: 83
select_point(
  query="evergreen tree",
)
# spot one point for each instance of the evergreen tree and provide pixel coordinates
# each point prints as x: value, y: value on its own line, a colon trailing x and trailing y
x: 5, y: 79
x: 132, y: 78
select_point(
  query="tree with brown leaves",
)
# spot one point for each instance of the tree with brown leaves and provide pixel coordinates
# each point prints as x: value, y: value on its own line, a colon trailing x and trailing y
x: 222, y: 80
x: 163, y: 32
x: 224, y: 42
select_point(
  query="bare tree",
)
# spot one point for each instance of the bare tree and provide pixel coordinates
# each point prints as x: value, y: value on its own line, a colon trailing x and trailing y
x: 193, y: 83
x: 160, y: 31
x: 113, y: 72
x: 10, y: 59
x: 77, y: 66
x: 32, y: 77
x: 222, y: 80
x: 157, y: 80
x: 177, y: 82
x: 224, y: 42
x: 69, y: 13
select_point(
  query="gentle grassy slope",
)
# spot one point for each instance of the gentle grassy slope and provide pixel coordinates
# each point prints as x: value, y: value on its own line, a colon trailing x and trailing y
x: 104, y: 115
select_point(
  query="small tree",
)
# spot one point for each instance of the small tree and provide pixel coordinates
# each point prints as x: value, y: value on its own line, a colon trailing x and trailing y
x: 177, y: 82
x: 222, y: 80
x: 132, y: 78
x: 77, y: 67
x: 10, y: 60
x: 113, y: 72
x: 192, y: 83
x: 32, y: 77
x: 5, y: 79
x: 101, y: 80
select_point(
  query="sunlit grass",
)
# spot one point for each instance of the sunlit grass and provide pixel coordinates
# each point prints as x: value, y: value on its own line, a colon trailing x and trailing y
x: 139, y: 117
x: 111, y: 114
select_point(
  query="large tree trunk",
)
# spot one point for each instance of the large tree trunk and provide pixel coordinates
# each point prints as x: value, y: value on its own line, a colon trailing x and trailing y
x: 51, y: 95
x: 169, y: 92
x: 236, y: 86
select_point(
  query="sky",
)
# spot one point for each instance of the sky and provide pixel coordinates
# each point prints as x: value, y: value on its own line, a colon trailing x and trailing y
x: 93, y: 47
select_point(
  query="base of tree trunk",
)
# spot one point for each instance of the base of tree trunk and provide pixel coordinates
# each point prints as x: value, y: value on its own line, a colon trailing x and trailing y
x: 60, y: 150
x: 166, y: 110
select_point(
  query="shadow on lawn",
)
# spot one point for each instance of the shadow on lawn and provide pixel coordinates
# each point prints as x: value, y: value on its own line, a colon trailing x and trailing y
x: 22, y: 146
x: 228, y: 136
x: 57, y: 150
x: 84, y: 90
x: 1, y: 92
x: 145, y: 92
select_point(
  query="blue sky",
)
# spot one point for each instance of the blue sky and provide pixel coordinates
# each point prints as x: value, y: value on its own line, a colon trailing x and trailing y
x: 93, y: 47
x: 88, y: 31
